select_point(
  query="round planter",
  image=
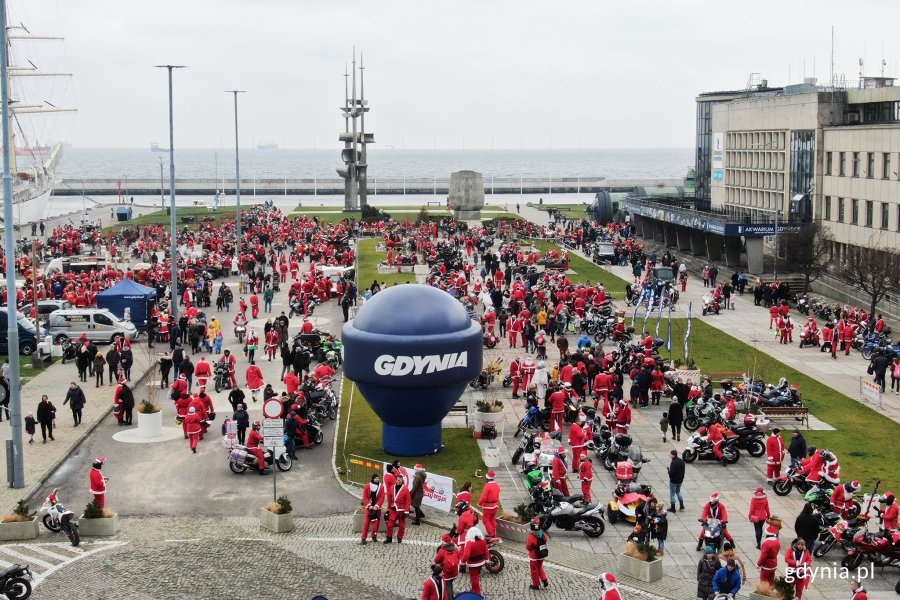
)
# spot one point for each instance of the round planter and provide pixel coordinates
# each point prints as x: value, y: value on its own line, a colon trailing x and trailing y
x: 150, y: 424
x: 494, y: 419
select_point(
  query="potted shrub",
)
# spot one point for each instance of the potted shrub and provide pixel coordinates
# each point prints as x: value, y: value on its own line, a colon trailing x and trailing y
x: 488, y: 413
x: 98, y: 521
x: 687, y: 370
x: 640, y: 562
x: 149, y: 419
x: 513, y: 527
x: 782, y: 590
x: 21, y: 524
x: 276, y: 516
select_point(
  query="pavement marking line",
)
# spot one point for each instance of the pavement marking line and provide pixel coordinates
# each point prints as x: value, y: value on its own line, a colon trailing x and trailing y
x: 70, y: 548
x: 29, y: 559
x: 37, y: 548
x: 5, y: 565
x: 250, y: 540
x: 97, y: 547
x: 187, y: 540
x: 514, y: 557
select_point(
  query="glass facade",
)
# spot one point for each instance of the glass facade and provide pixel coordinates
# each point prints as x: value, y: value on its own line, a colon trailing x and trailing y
x: 803, y: 160
x: 703, y: 164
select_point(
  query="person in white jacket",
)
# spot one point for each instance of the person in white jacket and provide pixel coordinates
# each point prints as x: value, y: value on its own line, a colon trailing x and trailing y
x: 540, y: 379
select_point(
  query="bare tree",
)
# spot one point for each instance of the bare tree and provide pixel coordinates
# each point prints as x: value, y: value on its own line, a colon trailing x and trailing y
x: 809, y: 251
x: 875, y: 270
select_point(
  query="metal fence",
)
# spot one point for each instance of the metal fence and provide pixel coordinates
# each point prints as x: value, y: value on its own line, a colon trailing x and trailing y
x: 360, y: 469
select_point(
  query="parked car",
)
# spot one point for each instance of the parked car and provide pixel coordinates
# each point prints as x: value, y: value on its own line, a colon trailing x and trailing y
x: 45, y: 308
x: 27, y: 334
x: 98, y: 324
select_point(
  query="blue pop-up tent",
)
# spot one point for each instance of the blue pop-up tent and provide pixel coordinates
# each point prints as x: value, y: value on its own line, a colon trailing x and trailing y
x: 130, y: 295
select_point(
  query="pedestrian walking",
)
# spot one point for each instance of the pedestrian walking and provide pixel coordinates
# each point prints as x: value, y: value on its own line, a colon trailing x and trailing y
x: 433, y: 588
x: 99, y: 368
x: 728, y: 553
x: 417, y: 493
x: 707, y: 568
x: 807, y: 525
x: 449, y: 560
x: 768, y: 556
x: 774, y: 456
x: 664, y: 424
x: 536, y: 545
x: 659, y: 528
x: 895, y: 375
x: 30, y: 426
x: 76, y: 400
x: 126, y: 360
x: 474, y: 555
x: 799, y: 565
x: 490, y: 504
x: 676, y: 478
x: 759, y: 513
x: 83, y: 362
x: 112, y: 364
x: 676, y: 417
x: 46, y: 414
x: 187, y: 369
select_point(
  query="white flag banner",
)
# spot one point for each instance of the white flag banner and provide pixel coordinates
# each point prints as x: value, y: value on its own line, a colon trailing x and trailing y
x: 438, y: 491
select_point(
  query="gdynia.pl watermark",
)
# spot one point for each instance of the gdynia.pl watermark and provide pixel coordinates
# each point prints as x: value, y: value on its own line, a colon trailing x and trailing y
x: 834, y: 571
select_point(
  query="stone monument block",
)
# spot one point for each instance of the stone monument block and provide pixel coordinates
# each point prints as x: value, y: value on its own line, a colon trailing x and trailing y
x: 466, y: 196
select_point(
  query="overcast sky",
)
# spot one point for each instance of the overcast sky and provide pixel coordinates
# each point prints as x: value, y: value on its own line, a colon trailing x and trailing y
x: 447, y: 74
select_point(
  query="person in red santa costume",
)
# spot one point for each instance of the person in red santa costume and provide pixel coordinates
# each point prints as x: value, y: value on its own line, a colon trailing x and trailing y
x: 401, y: 503
x: 577, y: 441
x: 98, y: 482
x: 490, y: 504
x: 193, y: 427
x: 254, y: 441
x: 610, y: 587
x: 768, y: 556
x: 586, y: 475
x: 799, y: 561
x: 558, y: 475
x: 774, y: 455
x: 714, y: 509
x: 433, y: 588
x: 372, y: 501
x: 515, y: 372
x: 203, y: 371
x: 842, y: 498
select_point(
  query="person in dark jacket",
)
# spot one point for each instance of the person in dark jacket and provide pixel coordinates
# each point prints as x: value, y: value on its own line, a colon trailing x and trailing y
x: 242, y: 418
x: 76, y: 400
x: 676, y: 417
x: 727, y: 580
x: 187, y: 369
x: 165, y: 366
x: 706, y: 570
x: 287, y: 358
x: 807, y: 525
x: 126, y: 396
x: 177, y: 359
x: 83, y: 362
x: 92, y: 352
x: 46, y: 412
x: 676, y: 478
x: 236, y: 398
x: 112, y: 364
x: 126, y: 359
x: 99, y: 368
x: 797, y: 449
x: 417, y: 493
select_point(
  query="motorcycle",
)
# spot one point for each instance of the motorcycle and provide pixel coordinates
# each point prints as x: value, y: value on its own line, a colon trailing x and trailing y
x: 221, y: 376
x: 820, y: 498
x: 835, y: 530
x: 701, y: 449
x: 875, y: 548
x: 528, y: 444
x: 495, y: 562
x: 239, y: 459
x: 240, y: 330
x: 627, y: 498
x: 702, y: 413
x: 622, y: 449
x: 713, y: 532
x: 710, y: 304
x: 58, y: 518
x: 69, y: 351
x: 809, y: 336
x: 535, y: 418
x: 568, y: 513
x: 15, y: 582
x: 793, y: 478
x: 803, y: 305
x: 489, y: 340
x: 750, y: 439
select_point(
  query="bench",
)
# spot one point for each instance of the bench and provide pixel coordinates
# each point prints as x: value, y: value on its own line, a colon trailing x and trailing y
x: 799, y: 413
x: 459, y: 410
x: 716, y: 377
x: 40, y: 360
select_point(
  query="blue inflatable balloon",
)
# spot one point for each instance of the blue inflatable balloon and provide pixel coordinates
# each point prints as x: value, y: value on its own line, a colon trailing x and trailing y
x: 411, y: 350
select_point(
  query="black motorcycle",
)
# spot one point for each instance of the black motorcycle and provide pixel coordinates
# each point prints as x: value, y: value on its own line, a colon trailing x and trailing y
x: 69, y: 351
x: 15, y: 582
x: 221, y: 376
x: 750, y: 439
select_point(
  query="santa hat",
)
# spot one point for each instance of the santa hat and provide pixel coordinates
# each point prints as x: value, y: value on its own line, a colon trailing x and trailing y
x: 490, y: 475
x: 608, y: 580
x: 582, y: 416
x: 771, y: 531
x: 419, y: 467
x: 714, y: 498
x: 122, y: 379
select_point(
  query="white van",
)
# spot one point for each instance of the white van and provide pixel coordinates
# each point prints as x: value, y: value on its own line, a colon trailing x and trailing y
x: 98, y: 324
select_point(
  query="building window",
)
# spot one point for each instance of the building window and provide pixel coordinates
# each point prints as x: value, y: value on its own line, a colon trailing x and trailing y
x: 803, y: 160
x: 886, y: 165
x: 856, y: 164
x: 854, y: 211
x: 842, y: 161
x: 828, y: 163
x: 870, y: 166
x: 827, y: 208
x: 840, y: 210
x: 870, y: 207
x: 885, y: 208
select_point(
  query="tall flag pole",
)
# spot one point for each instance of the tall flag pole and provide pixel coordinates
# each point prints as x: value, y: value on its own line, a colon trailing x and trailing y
x: 687, y: 333
x: 647, y: 313
x: 669, y: 335
x: 659, y: 315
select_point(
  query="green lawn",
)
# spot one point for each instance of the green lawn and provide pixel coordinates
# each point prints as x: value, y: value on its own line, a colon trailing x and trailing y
x: 863, y: 438
x: 585, y: 270
x: 367, y: 262
x: 26, y: 371
x: 160, y: 217
x: 459, y: 459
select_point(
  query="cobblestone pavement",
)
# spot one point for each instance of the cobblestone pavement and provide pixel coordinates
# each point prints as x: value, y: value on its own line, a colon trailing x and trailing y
x: 183, y: 557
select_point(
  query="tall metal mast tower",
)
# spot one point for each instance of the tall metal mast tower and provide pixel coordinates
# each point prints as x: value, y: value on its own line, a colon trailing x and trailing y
x: 354, y: 154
